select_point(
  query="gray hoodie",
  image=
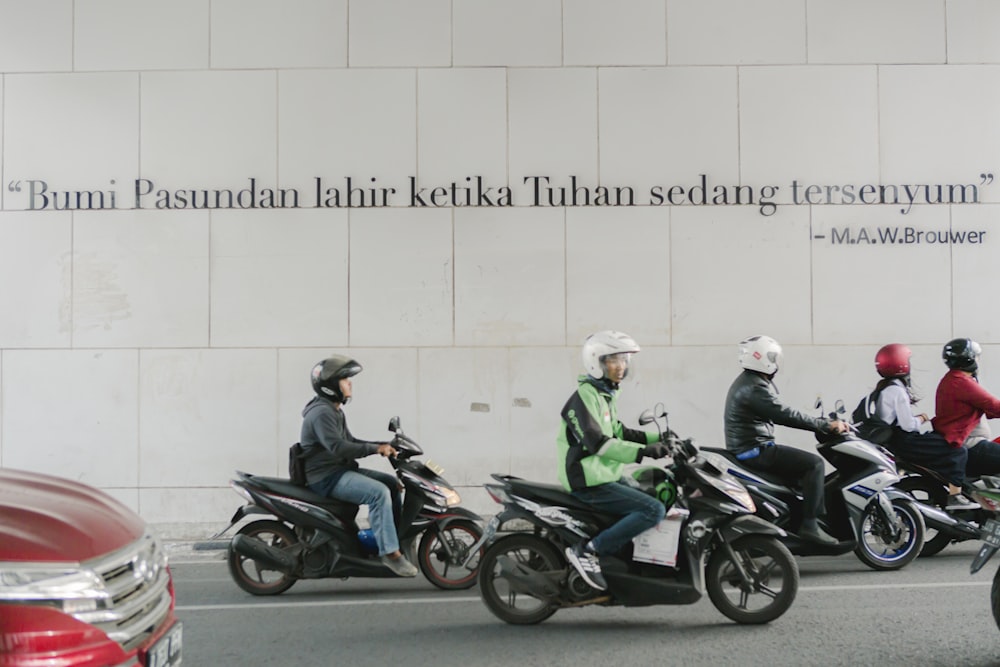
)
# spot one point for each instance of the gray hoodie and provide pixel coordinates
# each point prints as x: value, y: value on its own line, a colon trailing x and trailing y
x: 328, y: 444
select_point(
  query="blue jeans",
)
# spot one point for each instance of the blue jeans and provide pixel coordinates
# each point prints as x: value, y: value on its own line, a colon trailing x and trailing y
x: 378, y: 490
x: 638, y: 510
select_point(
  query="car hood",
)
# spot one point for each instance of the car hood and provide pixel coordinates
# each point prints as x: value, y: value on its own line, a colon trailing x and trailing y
x: 50, y: 519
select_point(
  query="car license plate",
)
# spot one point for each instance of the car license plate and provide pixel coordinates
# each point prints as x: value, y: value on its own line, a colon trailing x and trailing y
x: 991, y: 532
x: 167, y: 651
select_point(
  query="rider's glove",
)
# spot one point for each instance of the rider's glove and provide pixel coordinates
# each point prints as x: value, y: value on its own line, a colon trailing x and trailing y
x: 654, y: 451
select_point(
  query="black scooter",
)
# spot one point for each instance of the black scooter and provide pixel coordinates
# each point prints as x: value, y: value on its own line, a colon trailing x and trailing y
x: 315, y: 537
x: 710, y: 542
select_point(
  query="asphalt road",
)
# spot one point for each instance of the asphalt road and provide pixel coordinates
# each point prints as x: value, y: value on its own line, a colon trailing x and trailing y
x: 932, y: 612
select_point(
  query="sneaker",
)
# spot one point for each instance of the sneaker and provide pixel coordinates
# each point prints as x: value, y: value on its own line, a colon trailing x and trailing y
x: 400, y: 566
x: 817, y: 535
x: 587, y: 564
x: 960, y: 502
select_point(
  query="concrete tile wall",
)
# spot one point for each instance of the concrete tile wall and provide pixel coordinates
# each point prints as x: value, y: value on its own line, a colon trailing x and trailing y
x: 856, y: 31
x: 250, y: 34
x: 701, y: 167
x: 143, y: 35
x: 36, y: 268
x: 36, y: 36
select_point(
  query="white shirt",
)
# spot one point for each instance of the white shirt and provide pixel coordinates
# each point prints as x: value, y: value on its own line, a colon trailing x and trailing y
x: 894, y: 407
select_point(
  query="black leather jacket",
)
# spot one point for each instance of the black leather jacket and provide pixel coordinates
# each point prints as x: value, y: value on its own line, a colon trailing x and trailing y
x: 753, y: 408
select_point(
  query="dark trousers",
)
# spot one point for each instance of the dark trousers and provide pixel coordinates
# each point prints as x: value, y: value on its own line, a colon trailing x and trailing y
x: 638, y: 510
x: 795, y: 466
x: 932, y: 451
x: 984, y: 459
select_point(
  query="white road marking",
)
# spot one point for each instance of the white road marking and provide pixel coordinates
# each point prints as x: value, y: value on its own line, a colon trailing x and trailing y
x: 454, y: 600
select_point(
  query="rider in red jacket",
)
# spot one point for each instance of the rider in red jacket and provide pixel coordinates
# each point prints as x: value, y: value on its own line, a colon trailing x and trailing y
x: 960, y: 405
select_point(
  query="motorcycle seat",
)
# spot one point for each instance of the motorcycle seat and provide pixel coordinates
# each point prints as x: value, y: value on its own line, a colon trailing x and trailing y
x: 550, y: 493
x: 769, y: 476
x: 284, y: 487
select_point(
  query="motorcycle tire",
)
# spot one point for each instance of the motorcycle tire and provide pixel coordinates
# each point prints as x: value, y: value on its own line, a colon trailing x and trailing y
x: 931, y: 493
x: 875, y: 552
x: 497, y: 594
x: 775, y: 577
x: 442, y: 552
x: 995, y: 598
x: 253, y: 577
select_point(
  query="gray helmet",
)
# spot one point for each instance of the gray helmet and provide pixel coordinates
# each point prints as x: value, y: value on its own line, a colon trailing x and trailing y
x: 327, y: 374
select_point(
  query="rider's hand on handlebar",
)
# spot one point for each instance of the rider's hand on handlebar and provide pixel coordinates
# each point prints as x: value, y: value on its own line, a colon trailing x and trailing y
x: 655, y: 451
x: 387, y: 450
x: 839, y: 426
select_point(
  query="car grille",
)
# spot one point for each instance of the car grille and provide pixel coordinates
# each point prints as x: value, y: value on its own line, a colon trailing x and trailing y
x: 137, y: 582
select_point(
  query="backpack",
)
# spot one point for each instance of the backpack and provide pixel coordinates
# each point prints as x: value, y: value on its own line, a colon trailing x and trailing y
x: 297, y: 464
x: 870, y: 426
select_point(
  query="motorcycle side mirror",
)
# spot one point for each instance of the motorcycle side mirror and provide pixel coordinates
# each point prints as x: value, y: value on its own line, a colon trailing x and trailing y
x: 394, y: 424
x: 819, y: 403
x: 839, y: 407
x: 646, y: 417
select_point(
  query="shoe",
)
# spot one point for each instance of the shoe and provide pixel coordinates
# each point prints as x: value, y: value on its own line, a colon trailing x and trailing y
x: 960, y: 502
x: 817, y: 535
x: 400, y: 566
x: 587, y: 564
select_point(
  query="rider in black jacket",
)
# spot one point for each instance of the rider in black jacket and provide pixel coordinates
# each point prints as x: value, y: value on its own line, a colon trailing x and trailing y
x: 752, y: 410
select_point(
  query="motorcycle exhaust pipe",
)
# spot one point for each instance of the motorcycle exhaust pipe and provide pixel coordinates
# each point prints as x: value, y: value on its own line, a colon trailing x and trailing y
x: 265, y: 554
x: 523, y: 579
x: 944, y: 522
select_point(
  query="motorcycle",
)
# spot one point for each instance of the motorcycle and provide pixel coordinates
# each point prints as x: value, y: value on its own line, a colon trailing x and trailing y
x: 947, y: 526
x: 710, y: 540
x: 883, y: 525
x: 986, y: 491
x: 315, y: 537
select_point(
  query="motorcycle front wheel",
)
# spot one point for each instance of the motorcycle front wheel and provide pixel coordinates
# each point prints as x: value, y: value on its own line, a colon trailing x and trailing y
x: 499, y: 595
x: 878, y: 548
x: 995, y: 598
x: 773, y: 580
x: 442, y: 552
x: 257, y: 578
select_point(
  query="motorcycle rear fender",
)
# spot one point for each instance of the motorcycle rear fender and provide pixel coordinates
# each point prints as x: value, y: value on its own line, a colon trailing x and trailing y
x: 986, y: 552
x: 495, y: 523
x: 242, y: 512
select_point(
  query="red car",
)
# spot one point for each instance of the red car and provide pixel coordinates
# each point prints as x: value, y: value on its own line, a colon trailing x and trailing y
x: 83, y: 582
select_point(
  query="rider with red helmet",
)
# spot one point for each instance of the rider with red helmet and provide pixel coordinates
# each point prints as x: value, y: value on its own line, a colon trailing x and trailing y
x: 912, y: 438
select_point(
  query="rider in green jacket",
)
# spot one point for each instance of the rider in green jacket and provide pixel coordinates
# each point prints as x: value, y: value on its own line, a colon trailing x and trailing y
x: 594, y: 447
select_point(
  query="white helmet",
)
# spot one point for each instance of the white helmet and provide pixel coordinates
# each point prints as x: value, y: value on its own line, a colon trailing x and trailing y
x: 760, y: 353
x: 602, y: 344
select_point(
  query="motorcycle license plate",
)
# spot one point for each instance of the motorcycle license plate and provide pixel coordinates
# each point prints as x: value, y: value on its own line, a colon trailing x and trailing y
x: 167, y: 651
x: 991, y: 532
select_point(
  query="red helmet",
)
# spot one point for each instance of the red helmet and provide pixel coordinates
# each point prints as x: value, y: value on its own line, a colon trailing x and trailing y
x: 893, y: 361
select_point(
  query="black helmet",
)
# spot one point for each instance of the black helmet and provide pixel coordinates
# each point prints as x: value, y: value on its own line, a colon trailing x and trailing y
x: 327, y: 374
x: 962, y: 354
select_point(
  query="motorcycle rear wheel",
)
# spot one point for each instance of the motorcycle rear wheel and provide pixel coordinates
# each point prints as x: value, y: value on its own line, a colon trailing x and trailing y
x: 499, y: 596
x: 934, y: 494
x: 874, y: 551
x: 256, y: 578
x: 772, y: 568
x: 441, y: 555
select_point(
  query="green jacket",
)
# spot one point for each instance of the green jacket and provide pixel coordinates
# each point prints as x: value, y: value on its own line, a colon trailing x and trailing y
x: 593, y: 445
